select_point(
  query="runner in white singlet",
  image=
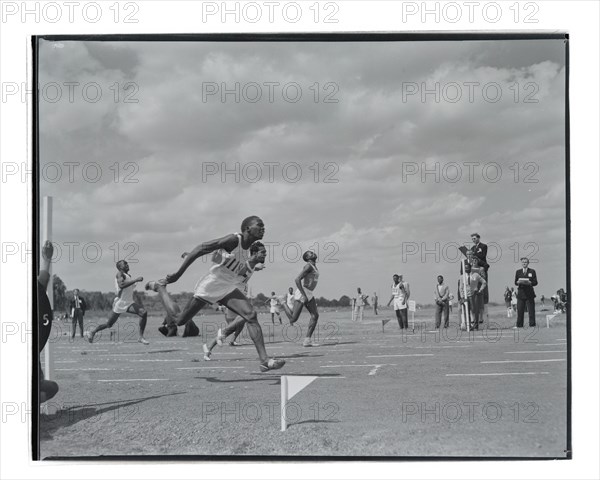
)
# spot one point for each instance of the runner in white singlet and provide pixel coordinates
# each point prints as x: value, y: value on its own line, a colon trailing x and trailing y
x: 400, y: 295
x: 306, y: 283
x: 224, y: 283
x: 124, y: 302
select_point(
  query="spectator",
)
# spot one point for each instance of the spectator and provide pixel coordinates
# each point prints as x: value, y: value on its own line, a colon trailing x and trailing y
x: 375, y: 303
x: 525, y: 279
x: 360, y: 305
x: 470, y: 291
x: 442, y: 294
x: 508, y: 302
x: 78, y: 308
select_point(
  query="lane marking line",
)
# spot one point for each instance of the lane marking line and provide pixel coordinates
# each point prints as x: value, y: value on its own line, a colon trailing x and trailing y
x: 403, y: 355
x: 493, y: 374
x: 540, y: 351
x: 528, y: 361
x: 136, y: 380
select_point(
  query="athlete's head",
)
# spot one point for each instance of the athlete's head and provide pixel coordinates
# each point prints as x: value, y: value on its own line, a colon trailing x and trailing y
x: 273, y: 293
x: 309, y: 255
x: 258, y: 249
x: 254, y: 226
x: 291, y: 290
x: 122, y: 266
x: 358, y: 290
x: 440, y: 279
x: 396, y: 278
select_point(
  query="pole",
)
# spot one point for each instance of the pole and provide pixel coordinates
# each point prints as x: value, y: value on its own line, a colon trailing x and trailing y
x: 467, y: 310
x: 284, y: 394
x: 47, y: 235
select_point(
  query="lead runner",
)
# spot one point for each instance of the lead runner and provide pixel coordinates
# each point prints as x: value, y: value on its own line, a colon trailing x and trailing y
x: 224, y: 283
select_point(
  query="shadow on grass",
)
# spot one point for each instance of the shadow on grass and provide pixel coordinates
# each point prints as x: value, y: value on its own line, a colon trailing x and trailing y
x: 313, y: 421
x: 273, y: 379
x: 124, y: 411
x: 300, y: 355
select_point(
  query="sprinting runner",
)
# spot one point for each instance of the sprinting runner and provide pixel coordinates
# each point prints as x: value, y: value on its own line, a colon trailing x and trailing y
x: 235, y: 322
x: 274, y: 301
x: 400, y: 295
x: 124, y: 303
x: 224, y: 283
x: 306, y: 283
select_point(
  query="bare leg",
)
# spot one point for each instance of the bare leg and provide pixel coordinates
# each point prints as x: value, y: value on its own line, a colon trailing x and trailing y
x: 192, y: 308
x: 112, y: 319
x: 140, y: 312
x: 238, y: 331
x: 237, y: 302
x: 295, y: 315
x: 173, y: 310
x: 314, y: 317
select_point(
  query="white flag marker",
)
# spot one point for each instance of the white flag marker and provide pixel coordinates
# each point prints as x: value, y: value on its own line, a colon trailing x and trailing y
x: 290, y: 386
x: 383, y: 322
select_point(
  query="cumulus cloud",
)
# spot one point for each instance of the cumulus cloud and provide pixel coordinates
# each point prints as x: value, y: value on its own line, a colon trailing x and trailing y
x: 378, y: 152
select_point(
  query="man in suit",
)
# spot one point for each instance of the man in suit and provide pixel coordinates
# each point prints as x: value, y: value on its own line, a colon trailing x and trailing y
x: 525, y: 279
x: 479, y: 250
x: 78, y: 308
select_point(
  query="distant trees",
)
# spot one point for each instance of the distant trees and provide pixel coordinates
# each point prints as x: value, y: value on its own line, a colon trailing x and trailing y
x: 60, y: 293
x: 102, y: 301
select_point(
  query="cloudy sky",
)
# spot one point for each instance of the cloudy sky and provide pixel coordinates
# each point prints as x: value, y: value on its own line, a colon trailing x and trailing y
x: 361, y: 137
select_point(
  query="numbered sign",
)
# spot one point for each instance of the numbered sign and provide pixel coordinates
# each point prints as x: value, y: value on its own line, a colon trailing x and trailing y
x: 412, y: 306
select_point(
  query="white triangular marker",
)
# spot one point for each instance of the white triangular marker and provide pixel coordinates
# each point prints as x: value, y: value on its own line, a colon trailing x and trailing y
x: 296, y: 384
x: 548, y: 318
x: 290, y: 386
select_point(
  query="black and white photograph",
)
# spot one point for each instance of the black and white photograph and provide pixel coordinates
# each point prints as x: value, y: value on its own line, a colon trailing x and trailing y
x: 300, y: 246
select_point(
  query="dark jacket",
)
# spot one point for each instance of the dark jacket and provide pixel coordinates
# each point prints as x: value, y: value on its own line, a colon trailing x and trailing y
x: 82, y: 304
x: 525, y: 292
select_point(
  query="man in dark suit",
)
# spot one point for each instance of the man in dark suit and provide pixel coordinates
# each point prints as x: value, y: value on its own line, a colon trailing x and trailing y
x: 78, y: 308
x: 525, y: 279
x: 479, y: 250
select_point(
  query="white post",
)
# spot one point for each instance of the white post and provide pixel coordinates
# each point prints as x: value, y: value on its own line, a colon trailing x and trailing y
x: 284, y: 394
x: 47, y: 235
x: 467, y: 310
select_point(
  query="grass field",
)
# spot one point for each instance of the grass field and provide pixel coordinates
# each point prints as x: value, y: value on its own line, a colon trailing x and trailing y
x: 496, y: 392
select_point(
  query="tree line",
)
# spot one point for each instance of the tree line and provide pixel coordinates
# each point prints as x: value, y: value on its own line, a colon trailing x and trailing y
x: 102, y: 301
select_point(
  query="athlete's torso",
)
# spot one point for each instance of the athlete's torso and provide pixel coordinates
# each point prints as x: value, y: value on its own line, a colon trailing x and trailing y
x: 125, y: 294
x: 398, y: 293
x: 311, y: 279
x: 233, y: 266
